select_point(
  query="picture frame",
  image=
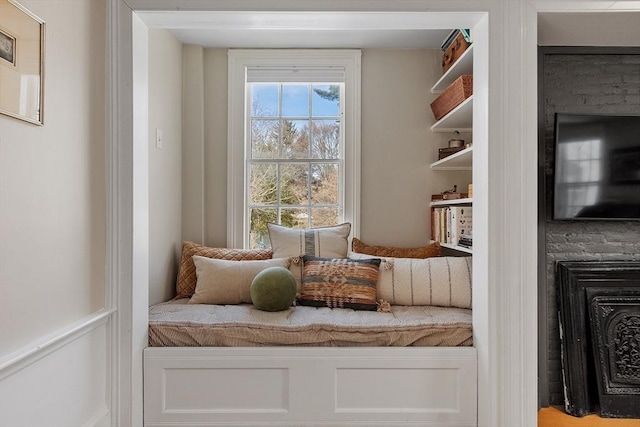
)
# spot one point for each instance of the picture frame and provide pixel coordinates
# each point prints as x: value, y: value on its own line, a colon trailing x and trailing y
x: 22, y: 56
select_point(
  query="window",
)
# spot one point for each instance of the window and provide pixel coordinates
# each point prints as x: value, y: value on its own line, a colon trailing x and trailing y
x: 294, y: 152
x: 295, y: 159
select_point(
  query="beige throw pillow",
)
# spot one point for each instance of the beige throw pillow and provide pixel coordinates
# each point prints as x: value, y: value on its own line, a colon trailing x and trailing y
x: 228, y: 282
x: 441, y: 281
x: 186, y: 282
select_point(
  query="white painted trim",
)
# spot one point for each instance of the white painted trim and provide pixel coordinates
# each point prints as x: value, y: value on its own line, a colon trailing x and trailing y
x: 298, y: 395
x: 101, y: 418
x: 506, y: 383
x: 127, y: 212
x: 239, y: 60
x: 22, y: 358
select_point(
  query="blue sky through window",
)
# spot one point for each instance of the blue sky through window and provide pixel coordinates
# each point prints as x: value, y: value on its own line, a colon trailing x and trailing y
x: 295, y: 101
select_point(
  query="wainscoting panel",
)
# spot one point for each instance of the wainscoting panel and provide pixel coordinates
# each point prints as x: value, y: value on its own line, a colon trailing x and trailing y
x: 67, y: 381
x: 286, y: 386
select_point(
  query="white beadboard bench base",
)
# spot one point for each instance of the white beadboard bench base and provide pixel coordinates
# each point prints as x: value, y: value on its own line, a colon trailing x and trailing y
x: 310, y: 386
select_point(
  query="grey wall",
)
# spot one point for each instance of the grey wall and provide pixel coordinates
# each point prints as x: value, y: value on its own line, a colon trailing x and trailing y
x: 581, y: 83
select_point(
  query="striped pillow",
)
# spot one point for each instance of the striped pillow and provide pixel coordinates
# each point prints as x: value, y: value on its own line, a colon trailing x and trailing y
x: 325, y: 242
x: 340, y: 283
x: 441, y: 281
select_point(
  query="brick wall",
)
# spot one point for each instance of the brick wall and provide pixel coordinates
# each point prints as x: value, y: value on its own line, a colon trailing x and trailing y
x: 583, y: 83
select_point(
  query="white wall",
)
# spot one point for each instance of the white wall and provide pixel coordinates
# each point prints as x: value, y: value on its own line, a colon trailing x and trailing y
x: 52, y: 229
x: 397, y: 146
x: 165, y: 163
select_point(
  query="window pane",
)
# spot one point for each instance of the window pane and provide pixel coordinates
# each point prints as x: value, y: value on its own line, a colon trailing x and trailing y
x: 295, y: 218
x: 323, y: 217
x: 263, y: 184
x: 264, y: 138
x: 295, y: 139
x: 325, y: 100
x: 258, y: 234
x: 325, y: 136
x: 294, y: 179
x: 324, y: 184
x: 295, y: 100
x: 264, y: 102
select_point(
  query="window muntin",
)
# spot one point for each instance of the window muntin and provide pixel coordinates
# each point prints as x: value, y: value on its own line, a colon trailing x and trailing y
x: 295, y: 161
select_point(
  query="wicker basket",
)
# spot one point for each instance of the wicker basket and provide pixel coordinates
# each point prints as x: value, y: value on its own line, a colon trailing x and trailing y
x: 458, y: 91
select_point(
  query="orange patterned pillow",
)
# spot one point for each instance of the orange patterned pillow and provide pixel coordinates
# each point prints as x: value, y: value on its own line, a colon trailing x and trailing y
x: 429, y: 251
x: 186, y: 282
x: 340, y: 283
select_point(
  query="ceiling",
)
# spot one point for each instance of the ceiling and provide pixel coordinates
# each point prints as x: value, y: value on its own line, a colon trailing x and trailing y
x: 393, y: 30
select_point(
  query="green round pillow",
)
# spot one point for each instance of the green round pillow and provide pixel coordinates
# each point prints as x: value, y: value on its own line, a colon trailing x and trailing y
x: 273, y: 289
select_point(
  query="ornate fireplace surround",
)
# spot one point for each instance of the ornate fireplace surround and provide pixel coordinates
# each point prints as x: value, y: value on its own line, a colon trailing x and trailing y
x: 599, y: 312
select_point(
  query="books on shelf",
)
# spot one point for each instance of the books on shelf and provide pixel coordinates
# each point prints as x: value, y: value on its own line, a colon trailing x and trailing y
x: 466, y: 34
x: 452, y: 224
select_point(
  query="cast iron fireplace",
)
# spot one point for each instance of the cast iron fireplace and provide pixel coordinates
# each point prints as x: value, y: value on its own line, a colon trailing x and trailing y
x: 599, y: 303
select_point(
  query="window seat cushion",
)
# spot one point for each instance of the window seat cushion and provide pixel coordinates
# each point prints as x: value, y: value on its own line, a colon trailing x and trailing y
x: 178, y: 324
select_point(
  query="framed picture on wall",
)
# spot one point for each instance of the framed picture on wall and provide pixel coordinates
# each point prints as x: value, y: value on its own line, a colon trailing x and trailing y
x: 21, y: 63
x: 7, y: 48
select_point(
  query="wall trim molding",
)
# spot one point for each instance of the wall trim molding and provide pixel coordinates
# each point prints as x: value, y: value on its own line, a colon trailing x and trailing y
x: 36, y: 350
x: 101, y: 418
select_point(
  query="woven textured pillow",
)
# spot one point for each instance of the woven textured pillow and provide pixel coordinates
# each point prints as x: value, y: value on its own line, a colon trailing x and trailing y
x: 340, y: 283
x: 228, y: 282
x: 325, y: 242
x: 428, y: 251
x: 441, y: 281
x: 186, y: 281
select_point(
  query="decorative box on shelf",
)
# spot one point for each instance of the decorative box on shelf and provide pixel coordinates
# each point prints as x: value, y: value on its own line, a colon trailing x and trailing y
x: 454, y: 95
x: 447, y: 151
x: 457, y: 45
x: 449, y: 196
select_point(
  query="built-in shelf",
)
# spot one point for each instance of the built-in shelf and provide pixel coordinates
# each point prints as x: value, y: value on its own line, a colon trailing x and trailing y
x: 460, y: 161
x: 468, y: 200
x: 456, y: 247
x: 464, y: 65
x: 459, y: 119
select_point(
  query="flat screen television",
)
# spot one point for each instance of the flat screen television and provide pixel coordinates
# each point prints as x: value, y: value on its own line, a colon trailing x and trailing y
x: 597, y: 167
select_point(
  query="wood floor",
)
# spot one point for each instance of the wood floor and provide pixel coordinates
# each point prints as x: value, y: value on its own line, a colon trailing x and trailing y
x: 555, y: 417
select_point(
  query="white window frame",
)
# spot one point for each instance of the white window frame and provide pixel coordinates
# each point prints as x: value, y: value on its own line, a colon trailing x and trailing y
x: 240, y: 60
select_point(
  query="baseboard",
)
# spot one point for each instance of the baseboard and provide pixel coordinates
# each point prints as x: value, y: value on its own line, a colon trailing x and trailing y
x: 315, y: 424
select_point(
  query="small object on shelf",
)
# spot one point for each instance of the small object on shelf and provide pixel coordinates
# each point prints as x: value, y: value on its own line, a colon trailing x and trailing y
x: 456, y: 141
x: 454, y: 50
x: 454, y: 95
x: 470, y: 190
x: 449, y: 195
x: 446, y: 152
x: 466, y: 241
